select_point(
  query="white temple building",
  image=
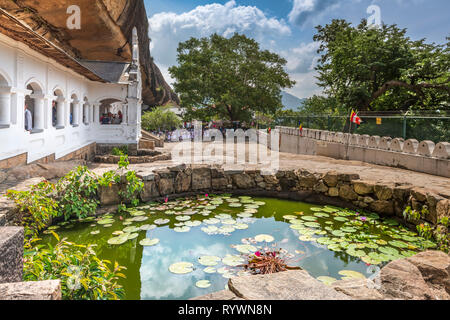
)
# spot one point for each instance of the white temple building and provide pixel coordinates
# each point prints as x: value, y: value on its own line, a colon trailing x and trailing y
x: 73, y: 104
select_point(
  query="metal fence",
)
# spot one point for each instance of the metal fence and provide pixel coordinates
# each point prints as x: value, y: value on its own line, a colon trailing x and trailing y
x: 432, y: 128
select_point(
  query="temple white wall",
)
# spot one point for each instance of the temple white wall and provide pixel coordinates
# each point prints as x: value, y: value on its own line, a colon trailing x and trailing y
x: 22, y: 68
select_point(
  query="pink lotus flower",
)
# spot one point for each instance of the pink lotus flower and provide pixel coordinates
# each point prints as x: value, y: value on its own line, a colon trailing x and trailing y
x: 166, y: 200
x: 363, y: 218
x: 258, y: 254
x: 206, y: 195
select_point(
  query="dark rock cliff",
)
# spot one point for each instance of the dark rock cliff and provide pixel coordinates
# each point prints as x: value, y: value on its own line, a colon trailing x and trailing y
x: 105, y: 34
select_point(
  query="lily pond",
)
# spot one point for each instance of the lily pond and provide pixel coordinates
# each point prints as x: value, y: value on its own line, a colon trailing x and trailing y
x: 190, y: 247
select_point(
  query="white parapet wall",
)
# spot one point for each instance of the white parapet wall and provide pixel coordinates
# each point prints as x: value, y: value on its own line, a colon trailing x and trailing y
x: 424, y: 156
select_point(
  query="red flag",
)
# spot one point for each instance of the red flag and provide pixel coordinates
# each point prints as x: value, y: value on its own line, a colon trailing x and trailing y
x: 354, y: 118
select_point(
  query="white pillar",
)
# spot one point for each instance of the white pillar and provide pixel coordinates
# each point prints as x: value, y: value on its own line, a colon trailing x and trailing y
x: 86, y: 114
x: 96, y: 113
x: 5, y: 107
x: 39, y: 115
x: 76, y: 113
x: 60, y: 113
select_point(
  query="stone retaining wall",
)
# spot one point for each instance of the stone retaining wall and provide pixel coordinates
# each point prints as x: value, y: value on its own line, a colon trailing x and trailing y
x: 345, y: 190
x: 411, y: 154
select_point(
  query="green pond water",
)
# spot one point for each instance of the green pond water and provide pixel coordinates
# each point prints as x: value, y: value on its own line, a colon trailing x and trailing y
x: 222, y: 231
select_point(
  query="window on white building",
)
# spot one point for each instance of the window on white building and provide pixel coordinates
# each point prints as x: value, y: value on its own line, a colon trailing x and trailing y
x: 111, y: 112
x: 58, y: 109
x: 34, y: 109
x: 5, y: 103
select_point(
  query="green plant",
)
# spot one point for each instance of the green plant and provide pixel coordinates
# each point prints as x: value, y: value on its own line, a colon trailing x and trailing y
x: 36, y: 207
x: 425, y: 230
x: 77, y: 193
x: 119, y: 151
x: 108, y: 178
x: 83, y: 276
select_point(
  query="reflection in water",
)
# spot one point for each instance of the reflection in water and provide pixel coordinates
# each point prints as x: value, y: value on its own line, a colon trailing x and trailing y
x: 148, y: 275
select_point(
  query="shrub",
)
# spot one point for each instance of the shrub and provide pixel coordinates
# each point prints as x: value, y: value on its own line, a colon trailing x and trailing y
x: 36, y: 207
x: 83, y: 276
x: 77, y: 193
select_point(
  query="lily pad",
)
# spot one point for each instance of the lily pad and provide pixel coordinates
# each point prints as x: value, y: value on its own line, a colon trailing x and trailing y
x: 183, y: 218
x: 203, y: 284
x: 327, y: 280
x: 182, y: 229
x: 245, y: 248
x: 118, y: 240
x: 264, y: 238
x: 352, y: 274
x: 233, y: 261
x: 161, y: 221
x: 147, y: 242
x: 210, y: 270
x: 181, y: 268
x: 209, y: 261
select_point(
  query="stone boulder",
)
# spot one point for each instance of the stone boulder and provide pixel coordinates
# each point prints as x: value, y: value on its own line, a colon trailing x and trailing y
x: 331, y: 179
x: 201, y: 178
x: 358, y: 289
x: 183, y: 181
x: 434, y: 267
x: 346, y: 192
x: 243, y: 181
x: 383, y: 206
x: 11, y: 254
x: 31, y: 290
x: 402, y: 280
x: 289, y: 285
x: 362, y: 188
x: 383, y: 192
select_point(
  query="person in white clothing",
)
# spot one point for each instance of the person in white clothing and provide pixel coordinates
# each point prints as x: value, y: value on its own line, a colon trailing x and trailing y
x: 28, y: 119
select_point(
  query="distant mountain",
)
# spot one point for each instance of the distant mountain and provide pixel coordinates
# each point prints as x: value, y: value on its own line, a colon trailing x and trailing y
x: 291, y: 102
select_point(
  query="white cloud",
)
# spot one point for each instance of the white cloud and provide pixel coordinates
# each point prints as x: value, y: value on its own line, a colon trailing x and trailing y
x: 167, y: 29
x: 304, y: 11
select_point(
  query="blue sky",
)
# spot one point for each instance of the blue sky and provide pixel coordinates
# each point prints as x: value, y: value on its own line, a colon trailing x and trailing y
x: 284, y: 26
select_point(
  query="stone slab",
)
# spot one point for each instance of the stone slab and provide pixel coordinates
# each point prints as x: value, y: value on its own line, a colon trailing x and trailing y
x: 220, y: 295
x: 31, y: 290
x: 11, y: 254
x: 289, y: 285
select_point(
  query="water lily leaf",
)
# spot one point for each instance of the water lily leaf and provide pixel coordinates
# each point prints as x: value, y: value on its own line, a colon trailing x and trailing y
x: 95, y: 232
x: 245, y: 248
x: 147, y: 227
x: 229, y: 221
x: 241, y: 226
x: 181, y: 268
x: 289, y: 217
x: 398, y: 244
x: 342, y: 219
x: 106, y: 221
x: 137, y: 213
x: 308, y: 218
x: 183, y: 218
x: 209, y: 261
x: 140, y: 219
x: 132, y: 236
x: 264, y: 238
x: 352, y: 274
x: 147, y: 242
x: 118, y: 240
x: 235, y: 205
x: 316, y: 209
x: 306, y: 238
x: 210, y: 270
x: 203, y: 284
x: 210, y: 229
x: 195, y: 223
x: 117, y: 233
x: 182, y: 229
x: 127, y: 223
x: 338, y: 233
x: 321, y: 215
x: 211, y: 221
x: 327, y: 280
x: 161, y: 221
x: 233, y: 261
x: 226, y: 229
x: 312, y: 224
x: 131, y: 229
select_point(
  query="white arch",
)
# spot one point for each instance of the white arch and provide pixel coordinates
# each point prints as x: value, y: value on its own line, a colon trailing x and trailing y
x: 6, y: 77
x: 110, y: 97
x: 58, y: 88
x: 34, y: 80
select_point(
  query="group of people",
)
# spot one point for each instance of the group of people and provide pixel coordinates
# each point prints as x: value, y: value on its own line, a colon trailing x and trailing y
x: 109, y: 118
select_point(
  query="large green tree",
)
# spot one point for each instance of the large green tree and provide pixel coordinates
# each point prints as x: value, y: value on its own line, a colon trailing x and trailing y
x: 380, y: 69
x: 160, y: 119
x: 228, y: 78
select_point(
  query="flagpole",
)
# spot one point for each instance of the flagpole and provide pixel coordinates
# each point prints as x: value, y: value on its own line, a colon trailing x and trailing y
x: 348, y: 138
